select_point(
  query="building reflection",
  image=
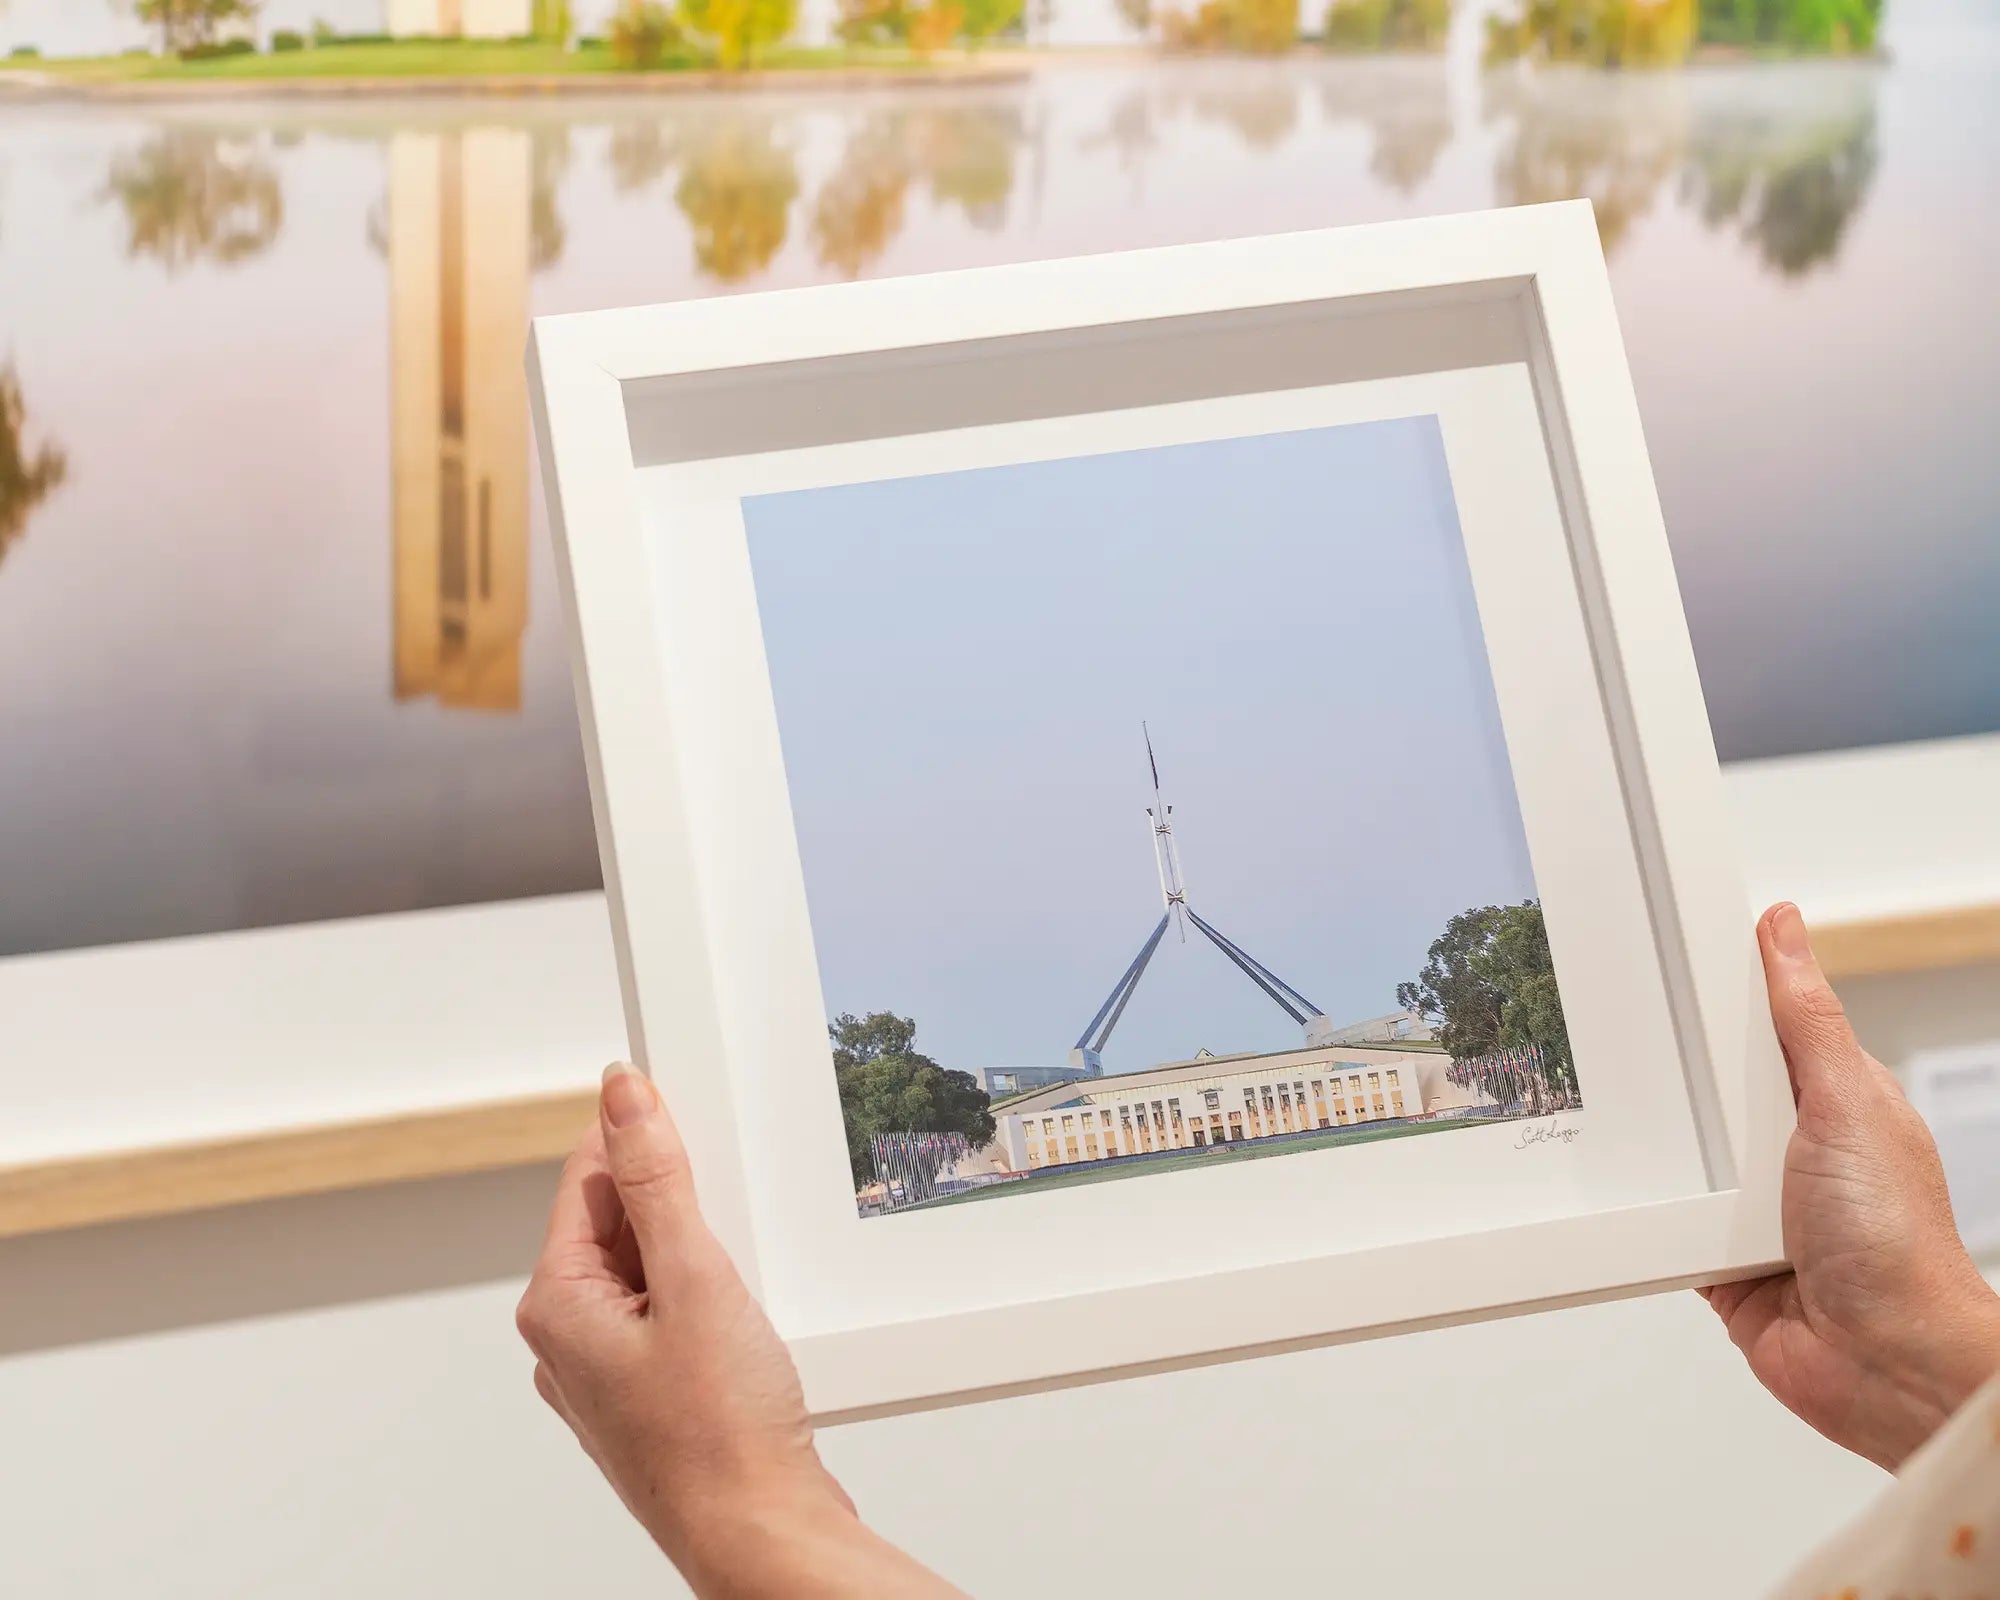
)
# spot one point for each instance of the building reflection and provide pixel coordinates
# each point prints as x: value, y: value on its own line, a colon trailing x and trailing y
x: 459, y: 244
x: 28, y: 476
x: 189, y: 196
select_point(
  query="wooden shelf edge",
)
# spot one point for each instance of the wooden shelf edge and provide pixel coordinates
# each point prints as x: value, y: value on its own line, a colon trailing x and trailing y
x: 118, y: 1186
x: 1920, y: 942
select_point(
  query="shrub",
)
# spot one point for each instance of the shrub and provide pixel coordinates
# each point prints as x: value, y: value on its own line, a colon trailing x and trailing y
x: 25, y: 52
x: 211, y: 49
x: 1594, y: 33
x: 287, y: 39
x: 1799, y: 25
x: 554, y: 22
x: 1388, y: 24
x: 642, y: 31
x: 740, y: 30
x: 1256, y: 27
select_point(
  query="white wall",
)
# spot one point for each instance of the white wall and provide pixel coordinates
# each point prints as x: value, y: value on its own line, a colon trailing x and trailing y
x: 326, y: 1398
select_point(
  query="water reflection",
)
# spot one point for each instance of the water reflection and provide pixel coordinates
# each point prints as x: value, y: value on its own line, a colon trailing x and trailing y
x: 464, y: 227
x: 738, y: 180
x: 190, y: 195
x: 1615, y: 138
x: 1783, y: 158
x: 351, y: 503
x: 1788, y: 179
x: 1406, y: 109
x: 961, y: 156
x: 28, y: 476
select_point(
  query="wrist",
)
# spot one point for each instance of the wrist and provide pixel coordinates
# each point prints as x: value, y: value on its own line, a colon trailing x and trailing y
x: 763, y: 1539
x: 1951, y: 1349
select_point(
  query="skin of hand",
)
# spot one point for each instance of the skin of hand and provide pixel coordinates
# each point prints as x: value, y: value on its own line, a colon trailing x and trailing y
x: 1884, y: 1326
x: 649, y: 1345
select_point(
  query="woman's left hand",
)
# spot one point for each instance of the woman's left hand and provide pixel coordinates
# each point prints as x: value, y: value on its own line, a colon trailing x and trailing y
x: 649, y: 1345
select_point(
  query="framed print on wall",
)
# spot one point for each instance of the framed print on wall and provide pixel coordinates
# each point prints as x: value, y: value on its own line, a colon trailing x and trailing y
x: 1331, y: 560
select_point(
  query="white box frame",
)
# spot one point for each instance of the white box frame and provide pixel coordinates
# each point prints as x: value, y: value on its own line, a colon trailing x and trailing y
x: 601, y: 383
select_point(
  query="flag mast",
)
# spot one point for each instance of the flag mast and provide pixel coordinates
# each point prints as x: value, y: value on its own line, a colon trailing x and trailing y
x: 1087, y: 1054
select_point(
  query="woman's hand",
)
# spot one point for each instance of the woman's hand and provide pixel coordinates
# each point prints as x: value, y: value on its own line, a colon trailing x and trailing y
x: 650, y: 1347
x: 1883, y: 1327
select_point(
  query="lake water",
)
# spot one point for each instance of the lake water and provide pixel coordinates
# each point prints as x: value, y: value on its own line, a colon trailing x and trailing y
x: 278, y: 634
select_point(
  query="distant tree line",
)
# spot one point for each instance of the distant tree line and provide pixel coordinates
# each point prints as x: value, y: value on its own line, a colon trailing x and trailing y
x: 1654, y: 33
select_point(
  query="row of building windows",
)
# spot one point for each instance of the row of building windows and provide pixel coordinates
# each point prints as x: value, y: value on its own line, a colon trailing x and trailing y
x: 1087, y: 1133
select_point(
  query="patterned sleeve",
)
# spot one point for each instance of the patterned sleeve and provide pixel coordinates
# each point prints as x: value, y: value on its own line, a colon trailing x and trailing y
x: 1934, y: 1532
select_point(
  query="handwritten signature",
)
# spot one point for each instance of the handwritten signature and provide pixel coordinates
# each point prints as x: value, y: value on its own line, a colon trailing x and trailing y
x: 1549, y: 1132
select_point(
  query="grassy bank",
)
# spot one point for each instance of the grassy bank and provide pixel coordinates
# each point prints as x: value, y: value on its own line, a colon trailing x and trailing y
x: 432, y: 58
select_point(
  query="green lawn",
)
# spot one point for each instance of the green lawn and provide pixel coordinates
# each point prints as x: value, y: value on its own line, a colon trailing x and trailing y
x: 1248, y: 1150
x: 416, y: 58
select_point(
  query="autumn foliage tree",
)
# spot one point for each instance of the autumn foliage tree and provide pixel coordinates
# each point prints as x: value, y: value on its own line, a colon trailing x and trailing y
x: 739, y: 32
x: 886, y: 1086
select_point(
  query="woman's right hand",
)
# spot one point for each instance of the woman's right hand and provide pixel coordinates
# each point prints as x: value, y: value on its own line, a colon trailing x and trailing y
x: 1884, y: 1326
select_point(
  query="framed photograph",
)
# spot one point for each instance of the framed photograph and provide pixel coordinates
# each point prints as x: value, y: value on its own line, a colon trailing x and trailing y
x: 1157, y: 807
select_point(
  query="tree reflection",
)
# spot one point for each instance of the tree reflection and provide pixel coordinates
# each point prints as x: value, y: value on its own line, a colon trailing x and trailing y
x: 548, y: 165
x: 1264, y: 115
x: 1130, y: 133
x: 1406, y: 106
x: 27, y: 477
x: 1784, y: 156
x: 1614, y: 137
x: 736, y: 191
x: 1787, y: 178
x: 963, y: 155
x: 641, y: 154
x: 191, y: 196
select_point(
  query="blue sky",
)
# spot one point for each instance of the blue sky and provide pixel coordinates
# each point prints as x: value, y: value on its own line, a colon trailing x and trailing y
x: 961, y: 664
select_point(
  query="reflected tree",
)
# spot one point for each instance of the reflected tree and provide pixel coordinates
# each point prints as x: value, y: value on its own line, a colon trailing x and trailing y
x: 548, y: 165
x: 963, y: 155
x: 27, y: 476
x: 191, y: 196
x: 736, y: 191
x: 1263, y: 114
x: 966, y: 155
x: 1130, y: 133
x: 1617, y: 139
x: 859, y: 209
x: 1788, y: 178
x: 1405, y: 106
x: 642, y: 152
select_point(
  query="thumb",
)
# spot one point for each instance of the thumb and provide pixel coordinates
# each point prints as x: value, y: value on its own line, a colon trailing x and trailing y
x: 1821, y: 1053
x: 648, y: 1163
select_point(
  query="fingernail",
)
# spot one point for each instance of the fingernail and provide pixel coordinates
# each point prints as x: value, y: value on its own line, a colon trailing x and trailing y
x: 1788, y: 933
x: 629, y: 1095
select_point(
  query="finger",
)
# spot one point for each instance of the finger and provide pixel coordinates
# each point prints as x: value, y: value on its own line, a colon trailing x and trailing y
x: 1822, y: 1055
x: 649, y: 1164
x: 586, y: 1217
